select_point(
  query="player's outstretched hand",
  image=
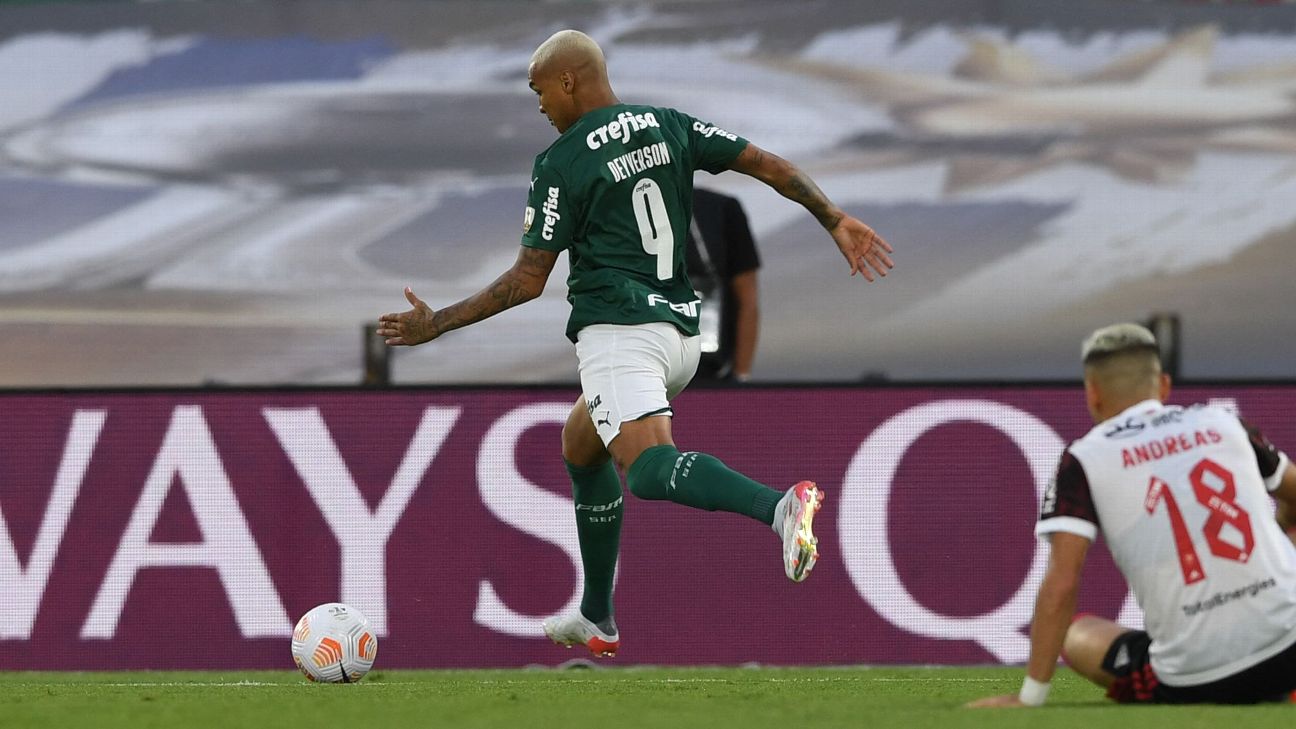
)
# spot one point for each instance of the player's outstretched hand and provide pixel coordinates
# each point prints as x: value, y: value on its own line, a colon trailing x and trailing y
x: 1005, y: 701
x: 864, y: 249
x: 408, y: 327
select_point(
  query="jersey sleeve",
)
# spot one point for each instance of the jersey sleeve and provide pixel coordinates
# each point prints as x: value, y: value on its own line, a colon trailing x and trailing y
x: 711, y: 148
x: 549, y: 219
x: 1272, y: 461
x: 1068, y: 505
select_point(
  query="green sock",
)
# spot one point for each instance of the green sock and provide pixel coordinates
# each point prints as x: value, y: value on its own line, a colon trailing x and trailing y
x: 700, y: 481
x: 597, y: 493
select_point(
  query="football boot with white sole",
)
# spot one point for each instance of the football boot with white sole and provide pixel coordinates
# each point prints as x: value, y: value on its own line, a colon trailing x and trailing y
x: 800, y: 547
x: 575, y: 629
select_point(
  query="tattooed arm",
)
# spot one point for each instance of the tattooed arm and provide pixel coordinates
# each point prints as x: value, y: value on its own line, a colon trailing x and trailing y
x: 521, y: 283
x: 862, y: 247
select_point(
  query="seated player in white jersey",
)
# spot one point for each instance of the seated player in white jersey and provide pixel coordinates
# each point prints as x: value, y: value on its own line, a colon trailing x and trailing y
x: 615, y: 192
x: 1182, y: 497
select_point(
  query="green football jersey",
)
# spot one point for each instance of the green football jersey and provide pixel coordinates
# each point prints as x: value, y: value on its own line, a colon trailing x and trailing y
x: 616, y: 192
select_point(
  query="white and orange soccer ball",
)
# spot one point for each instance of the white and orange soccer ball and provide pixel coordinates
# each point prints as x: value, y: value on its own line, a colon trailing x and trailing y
x: 333, y: 643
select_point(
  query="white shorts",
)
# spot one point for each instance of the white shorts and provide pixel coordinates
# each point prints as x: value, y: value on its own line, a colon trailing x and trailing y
x: 628, y: 372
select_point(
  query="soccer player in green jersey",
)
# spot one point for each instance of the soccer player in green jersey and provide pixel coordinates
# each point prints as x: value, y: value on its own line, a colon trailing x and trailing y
x: 615, y: 192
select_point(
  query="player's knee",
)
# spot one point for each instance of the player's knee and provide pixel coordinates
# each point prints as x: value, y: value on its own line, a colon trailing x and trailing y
x: 1072, y: 635
x: 570, y: 450
x: 649, y: 476
x: 581, y: 448
x: 1073, y: 640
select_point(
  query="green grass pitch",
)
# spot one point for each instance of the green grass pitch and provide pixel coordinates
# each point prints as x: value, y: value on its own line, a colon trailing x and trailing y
x: 612, y: 698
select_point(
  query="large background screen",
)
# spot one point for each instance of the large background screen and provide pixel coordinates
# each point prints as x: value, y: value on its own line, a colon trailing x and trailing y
x: 191, y: 529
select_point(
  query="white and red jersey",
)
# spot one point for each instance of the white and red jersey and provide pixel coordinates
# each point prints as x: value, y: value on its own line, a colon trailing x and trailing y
x: 1181, y: 497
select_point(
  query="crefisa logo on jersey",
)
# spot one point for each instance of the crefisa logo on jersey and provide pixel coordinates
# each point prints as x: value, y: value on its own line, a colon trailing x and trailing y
x: 710, y: 130
x: 551, y: 216
x: 620, y: 129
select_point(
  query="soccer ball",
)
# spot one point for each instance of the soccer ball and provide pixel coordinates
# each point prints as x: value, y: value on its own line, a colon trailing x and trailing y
x: 333, y: 643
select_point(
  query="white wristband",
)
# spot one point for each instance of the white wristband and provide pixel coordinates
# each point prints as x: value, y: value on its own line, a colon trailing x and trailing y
x: 1033, y: 692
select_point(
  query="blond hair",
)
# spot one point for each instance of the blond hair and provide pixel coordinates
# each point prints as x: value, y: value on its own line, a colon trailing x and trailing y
x: 1122, y: 359
x: 569, y: 46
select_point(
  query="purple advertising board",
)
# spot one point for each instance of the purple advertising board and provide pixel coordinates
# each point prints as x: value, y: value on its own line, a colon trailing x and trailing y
x: 190, y: 529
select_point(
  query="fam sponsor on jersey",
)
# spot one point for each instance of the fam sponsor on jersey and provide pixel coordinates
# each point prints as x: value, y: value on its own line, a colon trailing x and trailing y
x: 687, y: 308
